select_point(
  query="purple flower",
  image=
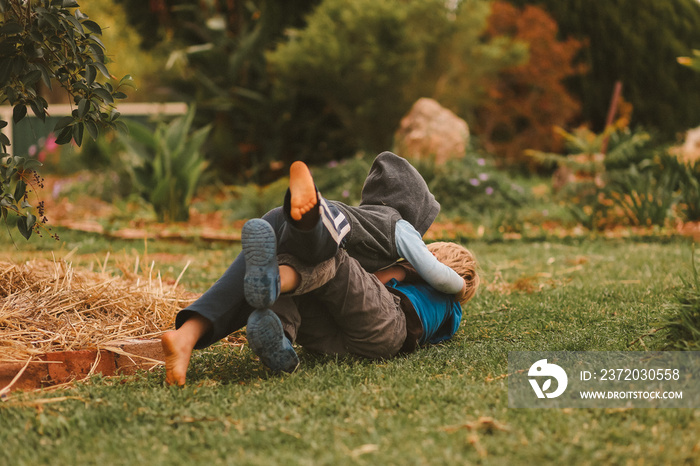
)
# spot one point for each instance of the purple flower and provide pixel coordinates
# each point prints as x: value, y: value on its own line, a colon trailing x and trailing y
x: 488, y: 190
x: 474, y: 182
x: 332, y: 164
x: 483, y: 177
x: 346, y: 193
x: 481, y: 162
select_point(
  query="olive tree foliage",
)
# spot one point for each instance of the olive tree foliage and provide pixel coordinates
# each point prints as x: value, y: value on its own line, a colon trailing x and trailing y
x: 49, y: 43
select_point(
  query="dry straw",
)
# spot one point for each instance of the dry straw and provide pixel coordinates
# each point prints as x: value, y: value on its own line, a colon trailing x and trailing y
x: 50, y: 306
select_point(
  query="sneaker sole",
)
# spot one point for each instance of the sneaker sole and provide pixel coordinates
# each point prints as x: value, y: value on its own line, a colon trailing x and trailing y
x: 261, y: 283
x: 267, y: 340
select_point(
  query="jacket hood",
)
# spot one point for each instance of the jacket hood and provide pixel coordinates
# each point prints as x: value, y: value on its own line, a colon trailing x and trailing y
x: 394, y: 182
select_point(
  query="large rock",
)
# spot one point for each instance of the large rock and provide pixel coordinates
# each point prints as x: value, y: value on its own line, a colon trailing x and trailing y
x: 689, y: 152
x: 431, y: 131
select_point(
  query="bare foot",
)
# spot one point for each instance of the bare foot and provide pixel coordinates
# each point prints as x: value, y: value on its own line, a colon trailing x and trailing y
x: 177, y: 358
x: 302, y: 189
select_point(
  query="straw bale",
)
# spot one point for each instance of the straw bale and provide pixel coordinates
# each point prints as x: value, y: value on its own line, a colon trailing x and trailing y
x: 49, y: 306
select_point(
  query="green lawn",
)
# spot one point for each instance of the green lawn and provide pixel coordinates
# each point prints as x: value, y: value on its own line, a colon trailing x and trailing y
x: 441, y: 405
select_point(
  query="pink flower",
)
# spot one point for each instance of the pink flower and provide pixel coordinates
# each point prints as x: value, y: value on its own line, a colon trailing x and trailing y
x: 50, y: 145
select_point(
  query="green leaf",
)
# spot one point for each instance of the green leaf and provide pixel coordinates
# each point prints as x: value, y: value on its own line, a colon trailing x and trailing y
x: 11, y: 28
x: 22, y: 227
x: 49, y: 18
x: 121, y: 127
x: 92, y: 129
x: 65, y: 135
x: 20, y: 189
x: 103, y: 94
x: 93, y: 27
x: 19, y: 112
x: 103, y: 69
x: 32, y: 164
x: 90, y: 73
x: 45, y: 76
x: 62, y: 123
x: 38, y: 111
x: 78, y: 129
x: 83, y: 107
x: 31, y: 78
x: 76, y: 24
x: 127, y: 81
x: 31, y: 220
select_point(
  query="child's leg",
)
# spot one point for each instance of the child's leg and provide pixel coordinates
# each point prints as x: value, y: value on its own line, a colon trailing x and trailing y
x: 304, y: 197
x: 315, y: 228
x: 178, y: 345
x: 262, y: 285
x: 368, y: 320
x: 224, y: 304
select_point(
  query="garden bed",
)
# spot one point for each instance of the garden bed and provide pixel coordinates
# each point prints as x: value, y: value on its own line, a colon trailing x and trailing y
x: 59, y: 323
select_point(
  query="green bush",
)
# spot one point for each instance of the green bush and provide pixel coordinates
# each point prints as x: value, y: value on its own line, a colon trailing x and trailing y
x: 166, y: 164
x: 647, y: 191
x: 636, y: 180
x: 472, y: 186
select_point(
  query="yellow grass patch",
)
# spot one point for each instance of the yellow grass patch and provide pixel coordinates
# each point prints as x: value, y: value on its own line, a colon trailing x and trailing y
x: 50, y: 306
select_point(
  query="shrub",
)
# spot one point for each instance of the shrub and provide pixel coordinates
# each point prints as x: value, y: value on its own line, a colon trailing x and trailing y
x: 634, y: 181
x: 166, y: 164
x: 647, y: 192
x: 472, y: 186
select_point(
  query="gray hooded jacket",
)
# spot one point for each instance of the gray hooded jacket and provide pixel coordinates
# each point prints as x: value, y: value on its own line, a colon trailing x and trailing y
x: 393, y: 190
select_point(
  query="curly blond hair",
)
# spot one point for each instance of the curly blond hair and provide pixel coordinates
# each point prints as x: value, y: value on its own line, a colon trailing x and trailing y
x: 462, y: 261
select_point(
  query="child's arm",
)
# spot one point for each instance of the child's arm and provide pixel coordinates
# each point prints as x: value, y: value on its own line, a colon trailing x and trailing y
x: 411, y: 247
x: 395, y: 271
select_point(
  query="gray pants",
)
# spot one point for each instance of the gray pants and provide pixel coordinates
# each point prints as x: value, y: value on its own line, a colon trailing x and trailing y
x: 341, y: 308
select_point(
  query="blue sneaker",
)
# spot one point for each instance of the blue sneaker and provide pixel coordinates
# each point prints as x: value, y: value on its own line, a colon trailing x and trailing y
x: 261, y: 285
x: 266, y: 338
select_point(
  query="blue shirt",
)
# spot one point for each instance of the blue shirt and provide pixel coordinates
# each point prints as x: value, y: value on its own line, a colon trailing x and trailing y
x: 439, y: 313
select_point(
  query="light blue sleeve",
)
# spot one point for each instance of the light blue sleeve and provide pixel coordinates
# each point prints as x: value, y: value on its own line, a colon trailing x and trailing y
x: 411, y: 247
